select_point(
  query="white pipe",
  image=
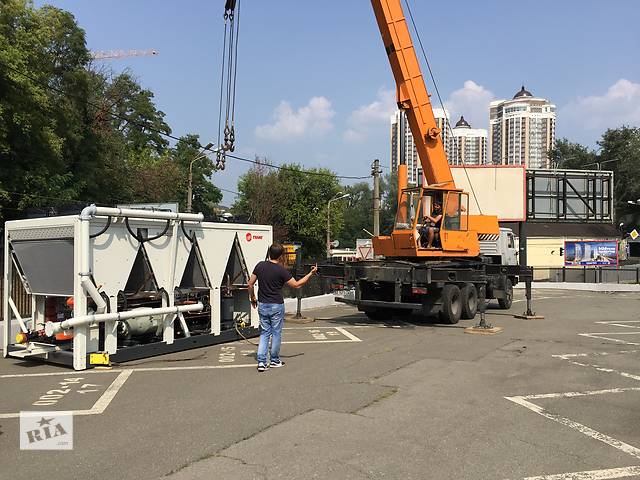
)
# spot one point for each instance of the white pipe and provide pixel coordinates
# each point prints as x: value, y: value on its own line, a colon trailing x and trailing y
x: 23, y: 327
x: 51, y: 328
x: 92, y: 291
x: 91, y: 211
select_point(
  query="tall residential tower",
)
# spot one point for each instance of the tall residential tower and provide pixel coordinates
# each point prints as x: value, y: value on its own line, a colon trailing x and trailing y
x: 523, y: 130
x: 403, y: 148
x: 468, y: 145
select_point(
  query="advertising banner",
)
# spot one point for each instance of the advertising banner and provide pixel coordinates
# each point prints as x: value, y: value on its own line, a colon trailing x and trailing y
x: 591, y: 252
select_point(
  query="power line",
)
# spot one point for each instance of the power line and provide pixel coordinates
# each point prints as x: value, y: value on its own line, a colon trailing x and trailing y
x: 173, y: 137
x: 229, y: 191
x: 293, y: 169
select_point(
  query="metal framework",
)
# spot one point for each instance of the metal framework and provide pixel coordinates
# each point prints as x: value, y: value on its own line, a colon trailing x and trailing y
x: 576, y: 196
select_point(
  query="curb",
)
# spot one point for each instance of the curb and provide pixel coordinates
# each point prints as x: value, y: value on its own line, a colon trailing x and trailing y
x: 588, y: 287
x: 327, y: 300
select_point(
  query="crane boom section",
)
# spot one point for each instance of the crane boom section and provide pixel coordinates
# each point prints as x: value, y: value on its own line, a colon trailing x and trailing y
x: 412, y: 94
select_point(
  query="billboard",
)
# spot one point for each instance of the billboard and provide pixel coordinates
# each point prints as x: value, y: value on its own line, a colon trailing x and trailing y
x: 591, y: 252
x: 494, y: 190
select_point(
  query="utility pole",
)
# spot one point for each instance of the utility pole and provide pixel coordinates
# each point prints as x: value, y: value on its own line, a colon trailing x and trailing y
x: 375, y: 171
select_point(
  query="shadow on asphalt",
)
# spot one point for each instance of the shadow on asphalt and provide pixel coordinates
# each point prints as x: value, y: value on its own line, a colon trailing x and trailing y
x: 412, y: 321
x: 408, y: 322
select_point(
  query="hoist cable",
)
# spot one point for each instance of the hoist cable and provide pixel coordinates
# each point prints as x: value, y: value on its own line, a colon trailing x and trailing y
x: 235, y: 66
x: 224, y: 49
x: 435, y: 86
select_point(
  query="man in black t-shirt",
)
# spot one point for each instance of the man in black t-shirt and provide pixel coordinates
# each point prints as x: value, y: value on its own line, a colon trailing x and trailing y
x: 271, y: 277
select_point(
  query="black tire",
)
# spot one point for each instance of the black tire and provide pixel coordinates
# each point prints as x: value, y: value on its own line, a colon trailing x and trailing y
x: 505, y: 303
x: 469, y: 295
x: 451, y: 304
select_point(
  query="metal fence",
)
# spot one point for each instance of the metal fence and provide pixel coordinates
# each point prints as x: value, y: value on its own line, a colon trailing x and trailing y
x: 588, y: 274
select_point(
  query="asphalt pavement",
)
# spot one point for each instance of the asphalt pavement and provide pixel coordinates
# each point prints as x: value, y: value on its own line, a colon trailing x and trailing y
x: 545, y: 399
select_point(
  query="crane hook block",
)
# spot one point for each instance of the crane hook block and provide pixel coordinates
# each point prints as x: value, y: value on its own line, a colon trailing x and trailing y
x: 433, y: 133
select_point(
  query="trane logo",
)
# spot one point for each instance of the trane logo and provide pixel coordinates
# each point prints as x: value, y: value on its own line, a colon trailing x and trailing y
x: 251, y: 236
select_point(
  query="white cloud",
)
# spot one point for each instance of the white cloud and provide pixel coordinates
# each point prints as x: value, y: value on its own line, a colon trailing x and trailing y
x: 368, y: 118
x: 620, y: 105
x: 312, y: 120
x: 472, y: 102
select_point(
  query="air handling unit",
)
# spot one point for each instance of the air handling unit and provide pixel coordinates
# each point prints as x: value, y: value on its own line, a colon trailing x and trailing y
x: 119, y: 284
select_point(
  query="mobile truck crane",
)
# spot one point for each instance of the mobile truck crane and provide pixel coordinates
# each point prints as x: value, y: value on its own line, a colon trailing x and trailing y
x: 473, y: 259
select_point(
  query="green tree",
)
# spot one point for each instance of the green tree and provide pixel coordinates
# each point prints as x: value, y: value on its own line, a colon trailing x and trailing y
x: 358, y: 214
x: 294, y: 201
x: 566, y: 154
x: 73, y: 134
x: 259, y: 198
x: 620, y: 152
x: 305, y: 195
x: 43, y: 61
x: 389, y: 193
x: 205, y: 194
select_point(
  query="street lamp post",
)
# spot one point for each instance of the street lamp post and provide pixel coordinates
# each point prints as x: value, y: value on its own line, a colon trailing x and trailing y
x: 190, y: 182
x: 599, y: 164
x: 339, y: 197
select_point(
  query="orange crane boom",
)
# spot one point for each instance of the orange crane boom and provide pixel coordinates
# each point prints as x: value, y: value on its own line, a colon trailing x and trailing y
x: 448, y: 230
x: 412, y: 95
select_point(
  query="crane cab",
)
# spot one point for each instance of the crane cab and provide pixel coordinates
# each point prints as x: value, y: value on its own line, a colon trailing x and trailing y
x: 455, y: 232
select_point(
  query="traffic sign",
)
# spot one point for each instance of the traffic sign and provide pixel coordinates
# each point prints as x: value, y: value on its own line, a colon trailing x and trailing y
x: 634, y: 234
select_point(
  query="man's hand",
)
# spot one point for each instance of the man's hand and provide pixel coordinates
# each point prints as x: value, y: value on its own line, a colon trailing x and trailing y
x: 314, y: 269
x: 254, y: 302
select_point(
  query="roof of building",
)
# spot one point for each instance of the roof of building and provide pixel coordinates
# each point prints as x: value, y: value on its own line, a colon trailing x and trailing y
x: 523, y: 93
x: 462, y: 123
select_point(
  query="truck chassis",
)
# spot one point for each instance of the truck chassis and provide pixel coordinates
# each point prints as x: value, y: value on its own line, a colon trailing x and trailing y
x: 450, y: 289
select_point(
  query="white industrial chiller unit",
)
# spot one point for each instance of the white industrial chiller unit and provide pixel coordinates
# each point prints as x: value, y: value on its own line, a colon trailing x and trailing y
x: 119, y: 284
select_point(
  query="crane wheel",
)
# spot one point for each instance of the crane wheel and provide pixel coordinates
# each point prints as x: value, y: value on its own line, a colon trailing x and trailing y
x: 505, y: 303
x: 469, y: 295
x: 451, y: 304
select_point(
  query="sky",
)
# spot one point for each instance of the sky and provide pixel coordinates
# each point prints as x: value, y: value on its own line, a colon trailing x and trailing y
x: 315, y: 86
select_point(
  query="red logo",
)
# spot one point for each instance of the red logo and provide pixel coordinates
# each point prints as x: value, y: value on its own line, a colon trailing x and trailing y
x: 248, y: 237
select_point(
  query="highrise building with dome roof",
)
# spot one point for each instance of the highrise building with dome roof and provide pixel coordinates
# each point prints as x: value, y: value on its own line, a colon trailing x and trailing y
x: 468, y: 145
x: 403, y: 147
x: 522, y: 130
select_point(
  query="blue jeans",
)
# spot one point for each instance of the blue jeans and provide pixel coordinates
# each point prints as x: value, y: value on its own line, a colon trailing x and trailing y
x: 271, y: 321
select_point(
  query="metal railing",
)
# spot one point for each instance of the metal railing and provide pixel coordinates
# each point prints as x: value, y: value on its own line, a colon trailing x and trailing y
x: 588, y: 274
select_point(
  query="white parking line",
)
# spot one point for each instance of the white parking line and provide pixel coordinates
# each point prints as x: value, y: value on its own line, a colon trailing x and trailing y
x: 567, y: 356
x: 592, y: 474
x: 606, y: 370
x: 101, y: 404
x: 590, y: 432
x: 350, y: 337
x: 580, y: 394
x: 622, y: 323
x: 600, y: 336
x: 117, y: 370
